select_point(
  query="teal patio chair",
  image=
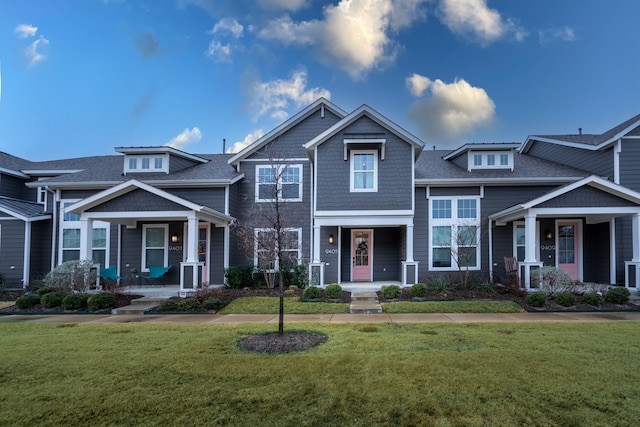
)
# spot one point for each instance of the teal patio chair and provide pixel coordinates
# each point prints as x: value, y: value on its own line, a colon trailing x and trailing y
x: 109, y: 275
x: 156, y: 274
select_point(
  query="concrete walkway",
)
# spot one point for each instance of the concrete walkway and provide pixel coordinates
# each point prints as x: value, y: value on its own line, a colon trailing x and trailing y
x: 329, y: 318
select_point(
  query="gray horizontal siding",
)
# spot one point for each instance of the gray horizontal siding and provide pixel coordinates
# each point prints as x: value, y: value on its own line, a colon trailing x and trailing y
x: 138, y: 200
x: 12, y: 186
x: 12, y: 251
x: 629, y: 170
x: 586, y: 196
x: 213, y: 198
x: 596, y: 162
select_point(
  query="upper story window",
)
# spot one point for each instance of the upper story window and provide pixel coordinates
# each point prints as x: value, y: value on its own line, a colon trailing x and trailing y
x: 490, y: 160
x: 278, y: 182
x: 145, y: 163
x: 364, y: 171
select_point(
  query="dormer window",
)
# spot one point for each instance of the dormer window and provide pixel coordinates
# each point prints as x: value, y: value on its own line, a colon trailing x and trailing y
x: 145, y: 163
x: 490, y: 160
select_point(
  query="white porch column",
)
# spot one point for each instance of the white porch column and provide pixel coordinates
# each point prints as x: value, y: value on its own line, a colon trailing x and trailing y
x: 409, y: 239
x: 192, y: 239
x: 316, y: 244
x: 26, y: 264
x: 635, y: 237
x: 530, y: 237
x: 86, y: 238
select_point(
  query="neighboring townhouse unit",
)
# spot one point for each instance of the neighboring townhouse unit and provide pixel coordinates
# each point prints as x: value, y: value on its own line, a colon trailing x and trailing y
x: 368, y: 202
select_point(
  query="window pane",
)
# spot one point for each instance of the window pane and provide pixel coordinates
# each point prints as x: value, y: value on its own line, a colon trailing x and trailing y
x: 267, y: 191
x: 155, y: 257
x: 520, y: 253
x: 467, y: 236
x: 99, y: 256
x: 291, y: 174
x: 68, y: 255
x: 99, y: 239
x: 441, y: 257
x: 363, y: 162
x: 154, y: 238
x: 491, y: 159
x: 477, y: 159
x: 441, y: 209
x: 520, y: 235
x: 266, y: 175
x: 467, y: 257
x: 441, y: 235
x: 71, y: 238
x: 363, y: 180
x: 504, y: 159
x: 133, y: 163
x: 157, y: 163
x: 145, y: 163
x: 467, y: 208
x: 70, y: 216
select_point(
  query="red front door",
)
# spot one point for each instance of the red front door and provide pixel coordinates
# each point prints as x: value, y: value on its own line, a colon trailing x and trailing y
x: 361, y: 254
x: 568, y: 255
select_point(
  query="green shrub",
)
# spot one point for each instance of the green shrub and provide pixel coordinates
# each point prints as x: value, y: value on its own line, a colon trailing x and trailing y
x: 239, y: 276
x: 51, y: 299
x: 440, y: 284
x: 168, y: 306
x: 27, y: 301
x: 75, y: 301
x: 312, y: 292
x: 71, y: 276
x: 45, y: 290
x: 299, y: 276
x: 189, y: 304
x: 391, y: 292
x: 333, y: 291
x: 212, y: 304
x: 565, y: 299
x: 101, y: 301
x: 552, y: 281
x: 618, y: 295
x: 592, y: 298
x: 418, y: 290
x: 536, y: 299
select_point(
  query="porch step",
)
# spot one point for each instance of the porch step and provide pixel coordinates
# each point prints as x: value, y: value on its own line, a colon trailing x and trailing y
x: 139, y: 305
x: 365, y: 303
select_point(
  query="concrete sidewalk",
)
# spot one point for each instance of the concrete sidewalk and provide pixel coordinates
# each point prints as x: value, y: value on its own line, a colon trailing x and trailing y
x: 329, y: 318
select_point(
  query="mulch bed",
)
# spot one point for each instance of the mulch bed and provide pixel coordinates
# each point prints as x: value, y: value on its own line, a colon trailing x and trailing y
x: 122, y: 300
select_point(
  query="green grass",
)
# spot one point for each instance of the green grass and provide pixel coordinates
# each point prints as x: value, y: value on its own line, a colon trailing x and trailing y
x: 270, y: 305
x: 537, y: 374
x: 452, y: 307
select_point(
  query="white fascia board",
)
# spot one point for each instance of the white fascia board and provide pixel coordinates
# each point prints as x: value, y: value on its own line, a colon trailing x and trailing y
x: 162, y: 149
x: 391, y: 221
x: 481, y: 147
x: 15, y: 173
x: 25, y: 218
x: 363, y: 213
x: 453, y: 182
x: 49, y: 172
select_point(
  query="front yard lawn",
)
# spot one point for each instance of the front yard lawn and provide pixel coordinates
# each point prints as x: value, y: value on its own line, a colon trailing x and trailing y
x: 270, y: 305
x: 452, y: 307
x: 533, y: 374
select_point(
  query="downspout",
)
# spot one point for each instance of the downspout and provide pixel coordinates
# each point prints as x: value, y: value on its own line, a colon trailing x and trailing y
x: 26, y: 266
x: 54, y: 226
x: 490, y: 237
x: 119, y: 254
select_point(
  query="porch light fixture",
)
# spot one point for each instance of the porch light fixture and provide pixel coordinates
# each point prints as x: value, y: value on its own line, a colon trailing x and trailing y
x: 549, y: 235
x: 175, y: 237
x: 331, y: 239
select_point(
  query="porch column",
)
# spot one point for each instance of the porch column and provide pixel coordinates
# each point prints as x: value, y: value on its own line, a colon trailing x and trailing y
x: 635, y: 261
x: 316, y: 243
x: 191, y: 269
x: 529, y: 250
x: 410, y: 242
x: 26, y: 264
x: 192, y: 239
x: 86, y: 238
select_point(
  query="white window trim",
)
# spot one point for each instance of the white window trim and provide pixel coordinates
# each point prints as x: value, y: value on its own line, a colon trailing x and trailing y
x: 278, y: 174
x: 515, y: 236
x: 261, y: 230
x: 352, y: 172
x: 454, y: 222
x: 485, y: 163
x: 67, y: 225
x: 152, y: 163
x: 144, y: 247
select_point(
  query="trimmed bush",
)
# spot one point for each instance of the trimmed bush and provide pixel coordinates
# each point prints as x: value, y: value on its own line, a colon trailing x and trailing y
x: 565, y: 299
x: 71, y: 276
x: 45, y: 290
x: 592, y: 298
x: 618, y: 295
x: 101, y: 301
x: 51, y: 299
x: 440, y: 284
x: 552, y: 281
x: 299, y: 276
x: 168, y: 306
x: 418, y: 290
x: 212, y: 304
x: 333, y: 291
x: 312, y: 292
x: 27, y: 301
x: 75, y: 301
x: 536, y: 299
x: 189, y: 304
x: 239, y: 276
x: 391, y: 292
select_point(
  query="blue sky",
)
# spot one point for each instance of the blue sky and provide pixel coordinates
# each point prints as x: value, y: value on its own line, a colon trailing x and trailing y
x: 78, y: 78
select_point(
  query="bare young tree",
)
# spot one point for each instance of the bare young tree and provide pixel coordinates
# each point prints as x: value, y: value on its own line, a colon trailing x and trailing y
x: 267, y: 233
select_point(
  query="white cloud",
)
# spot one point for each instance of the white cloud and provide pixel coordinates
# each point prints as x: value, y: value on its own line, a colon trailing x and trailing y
x: 565, y: 34
x: 355, y: 35
x: 248, y: 140
x: 184, y: 138
x: 474, y: 20
x: 452, y: 109
x: 274, y: 97
x: 417, y: 84
x: 219, y: 52
x: 33, y: 53
x: 228, y: 26
x: 291, y: 5
x: 25, y: 30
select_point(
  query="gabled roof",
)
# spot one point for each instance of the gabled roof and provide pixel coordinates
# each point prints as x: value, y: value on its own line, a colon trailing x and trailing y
x: 23, y: 209
x: 132, y: 184
x: 13, y: 165
x: 364, y: 110
x: 432, y: 169
x: 594, y: 181
x: 481, y: 147
x: 320, y: 103
x: 586, y: 141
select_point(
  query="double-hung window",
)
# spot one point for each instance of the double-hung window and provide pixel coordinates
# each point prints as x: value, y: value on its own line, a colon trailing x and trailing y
x: 278, y: 182
x: 265, y: 249
x: 71, y: 236
x: 364, y: 171
x: 454, y: 233
x: 155, y: 245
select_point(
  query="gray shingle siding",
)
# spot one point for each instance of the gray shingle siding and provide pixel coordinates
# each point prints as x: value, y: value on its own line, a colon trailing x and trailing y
x: 596, y: 162
x: 213, y: 198
x: 596, y: 250
x: 14, y: 187
x: 462, y: 161
x: 624, y: 246
x: 394, y: 173
x: 179, y: 163
x: 12, y: 251
x: 586, y: 196
x: 634, y: 132
x: 629, y: 170
x: 138, y: 200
